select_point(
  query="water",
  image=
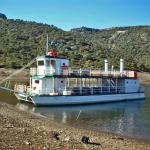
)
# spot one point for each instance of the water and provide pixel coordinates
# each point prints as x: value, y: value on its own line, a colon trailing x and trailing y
x: 130, y: 119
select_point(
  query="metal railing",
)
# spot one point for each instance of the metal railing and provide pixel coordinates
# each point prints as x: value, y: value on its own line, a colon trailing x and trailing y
x: 83, y: 91
x: 80, y: 72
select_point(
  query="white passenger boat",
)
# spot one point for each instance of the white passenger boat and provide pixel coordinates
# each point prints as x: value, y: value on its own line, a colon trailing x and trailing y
x: 53, y: 82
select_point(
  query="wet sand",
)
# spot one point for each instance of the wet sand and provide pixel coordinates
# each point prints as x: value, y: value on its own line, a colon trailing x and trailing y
x: 21, y: 130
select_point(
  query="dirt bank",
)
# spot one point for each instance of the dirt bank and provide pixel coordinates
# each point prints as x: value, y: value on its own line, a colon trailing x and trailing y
x: 144, y: 77
x: 23, y: 131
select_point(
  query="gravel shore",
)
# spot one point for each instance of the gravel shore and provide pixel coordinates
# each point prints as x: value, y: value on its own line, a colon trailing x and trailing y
x: 21, y: 130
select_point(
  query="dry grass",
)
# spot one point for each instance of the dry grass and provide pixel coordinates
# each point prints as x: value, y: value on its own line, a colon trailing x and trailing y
x: 144, y: 77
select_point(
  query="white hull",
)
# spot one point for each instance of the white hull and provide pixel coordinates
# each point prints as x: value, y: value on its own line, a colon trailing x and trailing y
x: 78, y: 100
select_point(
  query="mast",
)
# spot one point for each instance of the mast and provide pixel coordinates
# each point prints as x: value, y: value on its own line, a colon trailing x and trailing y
x: 47, y: 44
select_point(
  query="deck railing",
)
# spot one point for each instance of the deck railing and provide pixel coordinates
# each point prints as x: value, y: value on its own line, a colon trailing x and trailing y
x: 82, y: 72
x: 85, y: 91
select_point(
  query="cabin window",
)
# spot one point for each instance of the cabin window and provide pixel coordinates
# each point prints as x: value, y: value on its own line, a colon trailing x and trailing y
x: 41, y: 63
x: 37, y: 81
x: 47, y: 63
x: 53, y: 63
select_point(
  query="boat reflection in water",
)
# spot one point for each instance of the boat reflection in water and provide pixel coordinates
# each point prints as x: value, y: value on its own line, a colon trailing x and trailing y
x: 125, y: 118
x: 25, y: 107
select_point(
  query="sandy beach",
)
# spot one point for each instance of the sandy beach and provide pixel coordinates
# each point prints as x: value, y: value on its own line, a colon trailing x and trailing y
x: 21, y: 130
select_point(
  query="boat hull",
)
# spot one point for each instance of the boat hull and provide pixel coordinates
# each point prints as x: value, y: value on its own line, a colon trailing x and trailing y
x: 82, y: 100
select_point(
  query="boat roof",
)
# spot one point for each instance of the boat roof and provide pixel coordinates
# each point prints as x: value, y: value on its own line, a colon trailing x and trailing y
x: 47, y: 56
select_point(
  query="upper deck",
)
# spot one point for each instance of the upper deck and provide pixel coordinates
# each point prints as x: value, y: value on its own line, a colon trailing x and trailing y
x: 53, y: 66
x: 82, y: 73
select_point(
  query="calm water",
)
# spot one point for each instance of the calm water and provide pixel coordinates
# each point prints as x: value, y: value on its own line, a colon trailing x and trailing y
x: 130, y: 119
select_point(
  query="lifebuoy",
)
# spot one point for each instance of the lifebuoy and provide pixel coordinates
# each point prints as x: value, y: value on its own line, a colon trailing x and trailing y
x: 53, y: 53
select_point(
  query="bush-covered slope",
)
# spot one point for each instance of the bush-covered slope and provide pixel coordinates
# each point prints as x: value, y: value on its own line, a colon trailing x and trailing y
x: 21, y: 41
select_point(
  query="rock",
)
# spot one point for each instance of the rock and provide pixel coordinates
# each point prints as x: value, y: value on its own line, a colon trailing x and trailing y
x: 27, y: 142
x: 67, y: 139
x: 85, y: 139
x: 56, y: 135
x: 9, y: 126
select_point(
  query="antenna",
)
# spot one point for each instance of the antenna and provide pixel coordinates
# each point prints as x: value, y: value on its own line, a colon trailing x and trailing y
x: 47, y: 45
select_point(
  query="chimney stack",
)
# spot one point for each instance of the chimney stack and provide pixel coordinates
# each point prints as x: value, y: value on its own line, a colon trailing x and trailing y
x: 106, y: 65
x: 121, y: 65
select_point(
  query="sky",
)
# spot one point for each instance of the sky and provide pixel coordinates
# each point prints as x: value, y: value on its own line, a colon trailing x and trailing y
x: 68, y: 14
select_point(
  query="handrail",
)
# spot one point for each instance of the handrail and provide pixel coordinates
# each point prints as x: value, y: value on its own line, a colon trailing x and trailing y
x: 82, y: 72
x: 85, y: 90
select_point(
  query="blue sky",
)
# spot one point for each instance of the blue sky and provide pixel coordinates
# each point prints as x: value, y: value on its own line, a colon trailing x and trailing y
x: 67, y: 14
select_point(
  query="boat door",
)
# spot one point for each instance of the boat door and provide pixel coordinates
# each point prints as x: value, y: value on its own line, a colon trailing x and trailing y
x: 58, y: 67
x: 55, y: 67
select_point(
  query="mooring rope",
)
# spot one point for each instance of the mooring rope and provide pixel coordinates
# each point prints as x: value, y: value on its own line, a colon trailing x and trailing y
x: 18, y: 71
x: 78, y: 115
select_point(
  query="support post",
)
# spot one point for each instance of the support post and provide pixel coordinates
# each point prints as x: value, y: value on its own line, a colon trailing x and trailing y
x: 30, y: 85
x: 68, y: 82
x: 101, y: 85
x: 53, y: 85
x: 76, y: 82
x: 65, y: 84
x: 83, y: 82
x: 80, y: 86
x: 116, y: 85
x: 109, y: 85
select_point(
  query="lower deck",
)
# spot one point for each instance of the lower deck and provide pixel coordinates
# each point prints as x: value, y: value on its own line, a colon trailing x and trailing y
x: 79, y: 86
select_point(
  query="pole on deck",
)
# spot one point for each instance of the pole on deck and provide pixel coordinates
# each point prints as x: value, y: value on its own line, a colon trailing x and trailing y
x: 47, y: 44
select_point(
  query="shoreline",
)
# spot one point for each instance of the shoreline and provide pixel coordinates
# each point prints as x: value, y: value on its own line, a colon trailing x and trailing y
x: 23, y: 130
x: 144, y: 77
x: 116, y: 134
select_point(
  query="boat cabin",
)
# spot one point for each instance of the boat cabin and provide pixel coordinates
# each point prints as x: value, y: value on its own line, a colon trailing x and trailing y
x: 47, y: 65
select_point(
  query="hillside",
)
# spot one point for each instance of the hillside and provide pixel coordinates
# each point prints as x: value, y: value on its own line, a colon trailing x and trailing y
x: 3, y: 16
x: 21, y: 41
